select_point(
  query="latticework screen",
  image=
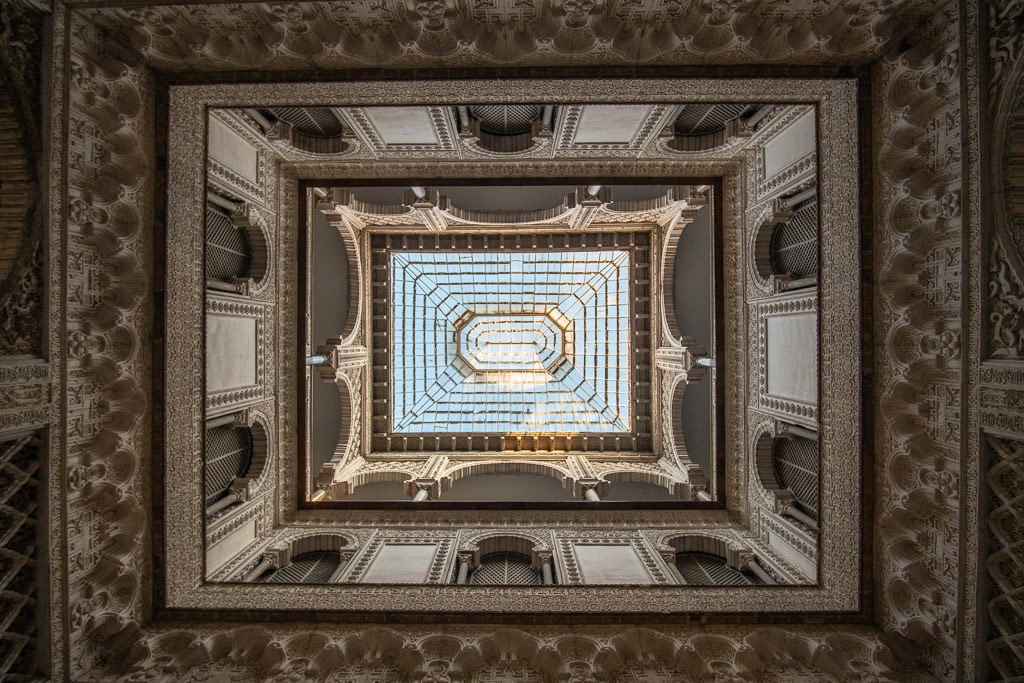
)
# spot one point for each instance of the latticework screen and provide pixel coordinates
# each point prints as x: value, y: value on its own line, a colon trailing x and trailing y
x: 795, y: 242
x: 318, y: 121
x: 796, y: 468
x: 702, y: 569
x: 19, y: 489
x: 701, y: 118
x: 505, y: 569
x: 228, y: 454
x: 228, y: 254
x: 314, y: 567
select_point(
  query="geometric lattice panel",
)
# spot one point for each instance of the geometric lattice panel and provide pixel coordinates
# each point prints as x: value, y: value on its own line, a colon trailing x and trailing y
x: 227, y: 456
x: 703, y: 569
x: 796, y: 468
x: 511, y: 342
x: 794, y: 246
x: 19, y: 520
x: 313, y: 567
x: 228, y: 254
x: 505, y: 569
x: 528, y: 342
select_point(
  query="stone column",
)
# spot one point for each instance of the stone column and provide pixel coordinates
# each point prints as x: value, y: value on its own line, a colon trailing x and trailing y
x: 238, y: 492
x: 793, y: 511
x: 465, y: 562
x: 316, y: 359
x: 589, y: 489
x: 546, y: 570
x: 755, y: 567
x: 421, y: 489
x: 788, y: 431
x: 669, y: 555
x: 267, y: 562
x: 224, y: 502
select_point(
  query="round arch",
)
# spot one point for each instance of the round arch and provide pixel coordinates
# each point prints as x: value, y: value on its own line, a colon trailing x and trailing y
x: 506, y: 467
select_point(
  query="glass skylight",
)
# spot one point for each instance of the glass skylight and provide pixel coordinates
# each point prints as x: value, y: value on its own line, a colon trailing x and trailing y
x: 510, y: 342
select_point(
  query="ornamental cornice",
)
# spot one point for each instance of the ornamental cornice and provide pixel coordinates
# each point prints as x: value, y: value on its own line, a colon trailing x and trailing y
x: 109, y: 634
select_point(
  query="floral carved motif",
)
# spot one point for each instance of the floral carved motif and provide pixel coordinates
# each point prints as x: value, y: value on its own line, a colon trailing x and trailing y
x: 108, y: 281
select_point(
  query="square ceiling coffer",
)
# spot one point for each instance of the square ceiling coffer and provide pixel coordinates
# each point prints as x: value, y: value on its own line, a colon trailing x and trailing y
x: 501, y: 337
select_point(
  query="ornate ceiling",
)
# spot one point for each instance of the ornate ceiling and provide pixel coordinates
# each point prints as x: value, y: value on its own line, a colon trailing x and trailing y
x: 940, y: 286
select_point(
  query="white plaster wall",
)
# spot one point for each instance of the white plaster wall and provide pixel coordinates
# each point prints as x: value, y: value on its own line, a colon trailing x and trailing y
x: 232, y: 544
x: 793, y: 143
x: 230, y: 352
x: 610, y: 122
x: 230, y: 149
x: 793, y: 357
x: 793, y: 555
x: 610, y: 564
x: 400, y: 563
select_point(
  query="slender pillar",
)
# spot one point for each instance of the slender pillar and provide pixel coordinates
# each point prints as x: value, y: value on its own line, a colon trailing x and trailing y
x: 221, y: 286
x: 754, y: 566
x: 224, y: 502
x: 799, y: 283
x: 797, y: 514
x: 703, y: 495
x: 316, y: 359
x: 222, y: 202
x: 669, y: 555
x: 801, y: 196
x: 465, y: 560
x: 259, y: 570
x: 259, y: 118
x: 546, y: 570
x: 420, y: 488
x: 705, y: 361
x: 222, y: 421
x: 548, y: 118
x: 787, y: 430
x: 591, y: 495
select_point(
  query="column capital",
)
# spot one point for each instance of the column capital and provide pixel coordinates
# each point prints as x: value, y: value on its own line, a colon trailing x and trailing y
x: 598, y: 486
x: 431, y: 486
x: 542, y: 556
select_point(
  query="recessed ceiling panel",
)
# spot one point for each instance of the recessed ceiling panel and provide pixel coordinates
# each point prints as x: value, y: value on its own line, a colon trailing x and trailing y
x: 613, y: 123
x: 403, y: 125
x: 532, y: 342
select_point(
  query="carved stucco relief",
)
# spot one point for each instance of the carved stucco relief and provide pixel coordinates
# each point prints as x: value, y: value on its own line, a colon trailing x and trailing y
x: 108, y: 548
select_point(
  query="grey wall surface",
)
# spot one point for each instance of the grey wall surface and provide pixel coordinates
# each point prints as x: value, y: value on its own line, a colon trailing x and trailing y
x: 694, y: 306
x: 329, y: 308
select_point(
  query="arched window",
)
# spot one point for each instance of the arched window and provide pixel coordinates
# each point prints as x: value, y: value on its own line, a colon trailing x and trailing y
x: 794, y: 246
x: 317, y: 130
x: 228, y: 455
x: 317, y: 566
x: 506, y: 128
x: 795, y: 460
x: 704, y: 569
x: 505, y: 569
x: 228, y: 253
x: 702, y: 126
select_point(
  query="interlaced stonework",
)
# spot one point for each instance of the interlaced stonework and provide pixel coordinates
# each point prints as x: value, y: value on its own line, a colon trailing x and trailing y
x: 942, y: 284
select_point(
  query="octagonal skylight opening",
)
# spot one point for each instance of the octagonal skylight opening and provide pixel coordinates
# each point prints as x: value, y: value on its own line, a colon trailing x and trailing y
x: 510, y: 342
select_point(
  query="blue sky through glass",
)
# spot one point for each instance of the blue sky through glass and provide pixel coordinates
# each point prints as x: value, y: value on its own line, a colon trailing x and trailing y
x: 520, y: 342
